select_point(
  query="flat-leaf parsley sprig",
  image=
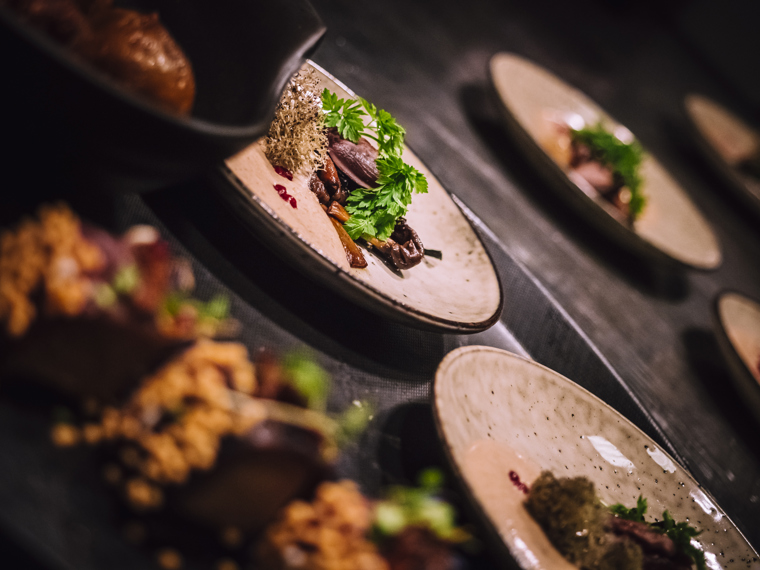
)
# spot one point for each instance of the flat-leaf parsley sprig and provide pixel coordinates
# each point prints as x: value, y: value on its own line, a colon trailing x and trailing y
x: 374, y: 211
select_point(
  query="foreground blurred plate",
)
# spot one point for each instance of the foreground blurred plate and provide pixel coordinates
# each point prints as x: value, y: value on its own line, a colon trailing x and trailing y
x: 491, y: 406
x: 737, y: 320
x: 460, y: 292
x: 727, y: 142
x: 670, y: 228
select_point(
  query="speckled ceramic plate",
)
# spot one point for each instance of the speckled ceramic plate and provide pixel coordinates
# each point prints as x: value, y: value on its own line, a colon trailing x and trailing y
x: 726, y: 141
x: 460, y: 292
x: 497, y: 412
x: 737, y: 323
x: 534, y: 101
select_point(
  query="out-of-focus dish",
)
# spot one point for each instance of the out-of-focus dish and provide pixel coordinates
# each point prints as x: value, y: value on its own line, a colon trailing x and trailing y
x: 732, y: 146
x: 241, y: 60
x: 201, y: 444
x: 540, y: 110
x: 459, y: 292
x: 497, y: 412
x: 737, y: 324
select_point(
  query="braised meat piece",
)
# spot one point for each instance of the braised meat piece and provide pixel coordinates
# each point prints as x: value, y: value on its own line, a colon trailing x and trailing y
x: 134, y: 49
x: 355, y: 160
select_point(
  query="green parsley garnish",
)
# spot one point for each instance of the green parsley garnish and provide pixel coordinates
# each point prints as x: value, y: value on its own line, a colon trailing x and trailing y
x: 623, y: 158
x: 418, y: 506
x: 374, y: 211
x: 635, y: 514
x: 680, y: 533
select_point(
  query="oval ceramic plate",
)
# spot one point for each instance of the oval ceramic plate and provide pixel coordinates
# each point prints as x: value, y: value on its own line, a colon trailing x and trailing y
x: 460, y: 292
x: 497, y: 412
x: 737, y: 320
x: 670, y: 227
x: 727, y: 142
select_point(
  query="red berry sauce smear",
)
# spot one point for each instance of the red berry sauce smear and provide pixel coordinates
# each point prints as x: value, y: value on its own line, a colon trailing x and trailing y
x: 515, y: 478
x: 283, y: 192
x: 284, y: 172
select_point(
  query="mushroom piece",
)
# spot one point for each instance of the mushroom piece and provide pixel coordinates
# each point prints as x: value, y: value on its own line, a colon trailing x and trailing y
x: 404, y: 248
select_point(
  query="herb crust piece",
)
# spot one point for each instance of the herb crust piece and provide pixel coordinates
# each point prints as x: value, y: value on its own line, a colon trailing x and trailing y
x: 296, y: 139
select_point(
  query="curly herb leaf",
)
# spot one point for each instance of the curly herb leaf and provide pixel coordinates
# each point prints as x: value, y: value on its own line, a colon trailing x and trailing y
x: 344, y: 114
x: 623, y: 158
x: 374, y: 211
x: 635, y: 514
x: 681, y: 535
x: 390, y: 135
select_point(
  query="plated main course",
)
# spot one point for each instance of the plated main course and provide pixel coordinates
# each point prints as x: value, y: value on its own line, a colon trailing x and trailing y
x: 196, y: 437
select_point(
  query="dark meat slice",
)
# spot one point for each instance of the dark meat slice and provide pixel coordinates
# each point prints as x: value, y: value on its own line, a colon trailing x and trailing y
x: 355, y: 160
x: 318, y: 187
x: 256, y: 475
x: 649, y: 539
x: 329, y: 174
x: 598, y: 175
x: 404, y: 248
x: 272, y: 384
x: 353, y: 253
x: 417, y: 548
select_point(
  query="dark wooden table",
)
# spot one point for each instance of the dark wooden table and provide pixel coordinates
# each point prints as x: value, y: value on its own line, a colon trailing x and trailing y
x: 426, y: 62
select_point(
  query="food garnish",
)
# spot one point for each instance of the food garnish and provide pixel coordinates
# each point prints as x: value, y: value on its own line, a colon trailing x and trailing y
x: 375, y: 211
x: 341, y: 528
x: 596, y: 537
x: 365, y: 190
x: 296, y: 140
x: 623, y: 159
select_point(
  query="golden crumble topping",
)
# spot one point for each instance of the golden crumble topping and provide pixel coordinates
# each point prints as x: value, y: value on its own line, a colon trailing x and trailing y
x: 327, y: 534
x: 48, y: 253
x: 178, y: 416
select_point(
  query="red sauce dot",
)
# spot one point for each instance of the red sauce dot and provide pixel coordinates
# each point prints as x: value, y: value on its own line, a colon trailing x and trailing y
x: 280, y: 188
x: 284, y: 172
x: 293, y: 202
x: 515, y: 478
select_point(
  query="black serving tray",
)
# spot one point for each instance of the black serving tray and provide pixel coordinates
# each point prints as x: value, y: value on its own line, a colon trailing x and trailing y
x: 56, y: 507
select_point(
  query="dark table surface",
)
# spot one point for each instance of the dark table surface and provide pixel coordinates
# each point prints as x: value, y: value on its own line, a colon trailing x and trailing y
x: 426, y: 62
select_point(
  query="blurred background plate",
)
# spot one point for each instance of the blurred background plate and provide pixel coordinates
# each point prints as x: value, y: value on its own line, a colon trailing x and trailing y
x: 731, y: 145
x: 460, y: 292
x: 737, y: 323
x: 491, y: 405
x: 669, y: 229
x: 65, y: 117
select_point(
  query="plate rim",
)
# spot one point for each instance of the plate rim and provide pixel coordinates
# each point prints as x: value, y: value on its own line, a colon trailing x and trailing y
x: 473, y: 503
x: 551, y: 172
x: 744, y: 381
x: 724, y: 170
x: 358, y: 291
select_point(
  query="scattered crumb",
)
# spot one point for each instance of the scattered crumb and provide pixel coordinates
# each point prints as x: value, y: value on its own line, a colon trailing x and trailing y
x: 169, y: 559
x: 328, y: 534
x: 65, y: 435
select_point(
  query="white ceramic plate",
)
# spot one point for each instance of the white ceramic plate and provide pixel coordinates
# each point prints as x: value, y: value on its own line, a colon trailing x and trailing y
x: 460, y: 292
x: 737, y: 321
x: 498, y: 412
x: 726, y: 141
x: 670, y: 228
